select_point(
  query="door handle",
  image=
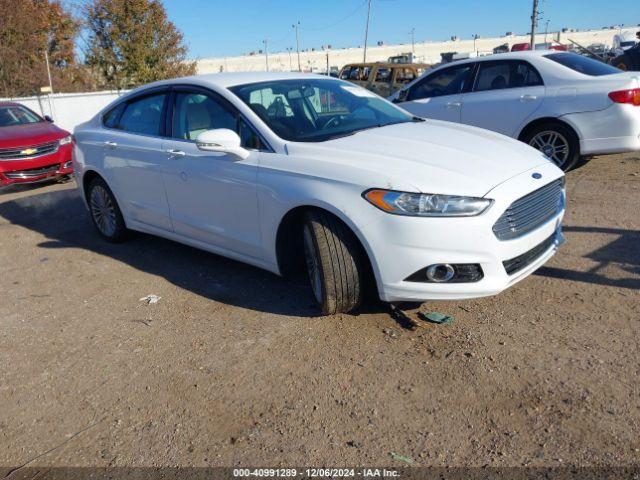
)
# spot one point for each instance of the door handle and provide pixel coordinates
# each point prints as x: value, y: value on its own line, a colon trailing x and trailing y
x: 175, y: 153
x: 528, y: 98
x: 453, y: 104
x: 110, y: 144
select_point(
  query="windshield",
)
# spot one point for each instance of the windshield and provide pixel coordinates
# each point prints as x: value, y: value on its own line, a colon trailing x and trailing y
x: 17, y: 115
x: 581, y: 64
x: 315, y: 110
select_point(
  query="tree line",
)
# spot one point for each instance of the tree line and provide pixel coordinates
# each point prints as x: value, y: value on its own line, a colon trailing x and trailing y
x: 104, y: 44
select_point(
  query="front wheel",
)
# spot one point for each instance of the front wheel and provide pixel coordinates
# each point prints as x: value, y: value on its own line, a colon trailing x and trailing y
x: 334, y: 263
x: 558, y: 142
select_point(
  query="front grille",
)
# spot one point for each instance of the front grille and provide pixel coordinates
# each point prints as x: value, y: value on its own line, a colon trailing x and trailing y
x: 522, y: 261
x: 531, y: 211
x: 22, y: 153
x: 32, y: 173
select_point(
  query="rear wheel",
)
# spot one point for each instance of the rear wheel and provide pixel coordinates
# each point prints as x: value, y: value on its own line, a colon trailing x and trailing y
x: 105, y: 213
x: 556, y: 141
x: 334, y: 263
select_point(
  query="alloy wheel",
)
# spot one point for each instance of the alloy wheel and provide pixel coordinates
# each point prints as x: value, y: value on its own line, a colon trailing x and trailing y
x: 103, y: 211
x: 553, y: 144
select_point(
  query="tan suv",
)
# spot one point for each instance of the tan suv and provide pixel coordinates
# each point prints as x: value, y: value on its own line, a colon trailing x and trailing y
x: 382, y: 78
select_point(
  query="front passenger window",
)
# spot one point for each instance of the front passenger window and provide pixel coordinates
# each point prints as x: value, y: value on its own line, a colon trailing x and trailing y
x: 195, y: 113
x: 449, y: 81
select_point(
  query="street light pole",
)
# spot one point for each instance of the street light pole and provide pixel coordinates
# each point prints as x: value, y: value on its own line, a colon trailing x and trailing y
x: 413, y: 40
x: 296, y: 27
x: 366, y: 32
x: 266, y: 52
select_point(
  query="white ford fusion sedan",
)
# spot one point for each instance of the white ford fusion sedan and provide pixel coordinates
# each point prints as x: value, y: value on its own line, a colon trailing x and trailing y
x: 287, y: 171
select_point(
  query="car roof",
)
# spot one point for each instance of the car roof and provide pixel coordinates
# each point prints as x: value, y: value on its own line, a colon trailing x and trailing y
x: 522, y: 55
x: 232, y: 79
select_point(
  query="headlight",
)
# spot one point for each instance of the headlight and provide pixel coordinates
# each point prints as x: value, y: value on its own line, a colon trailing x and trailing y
x: 65, y: 140
x: 426, y: 205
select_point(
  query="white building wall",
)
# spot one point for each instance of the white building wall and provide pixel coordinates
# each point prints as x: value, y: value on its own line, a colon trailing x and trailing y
x: 428, y: 52
x: 69, y: 109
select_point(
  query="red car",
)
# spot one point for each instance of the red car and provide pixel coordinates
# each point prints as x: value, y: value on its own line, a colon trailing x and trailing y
x: 32, y: 148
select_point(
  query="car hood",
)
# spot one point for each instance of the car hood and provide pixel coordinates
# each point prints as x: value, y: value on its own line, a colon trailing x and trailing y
x: 431, y: 156
x: 30, y: 134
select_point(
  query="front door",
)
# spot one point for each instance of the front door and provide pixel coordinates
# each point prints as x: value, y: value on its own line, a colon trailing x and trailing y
x: 212, y: 195
x: 439, y: 95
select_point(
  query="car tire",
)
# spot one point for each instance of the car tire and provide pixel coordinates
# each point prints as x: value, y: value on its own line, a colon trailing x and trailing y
x: 334, y: 263
x: 105, y: 212
x: 557, y: 137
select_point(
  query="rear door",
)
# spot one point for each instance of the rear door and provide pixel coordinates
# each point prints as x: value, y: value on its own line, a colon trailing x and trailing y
x: 134, y: 159
x: 504, y: 95
x: 439, y: 94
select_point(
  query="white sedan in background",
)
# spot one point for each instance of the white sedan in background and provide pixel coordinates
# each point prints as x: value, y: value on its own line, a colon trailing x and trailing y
x: 284, y: 170
x: 563, y: 104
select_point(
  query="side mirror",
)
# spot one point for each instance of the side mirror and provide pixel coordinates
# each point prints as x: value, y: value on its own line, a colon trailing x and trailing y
x: 48, y: 118
x: 221, y: 140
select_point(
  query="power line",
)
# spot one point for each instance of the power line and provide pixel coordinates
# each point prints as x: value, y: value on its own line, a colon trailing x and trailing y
x: 358, y: 8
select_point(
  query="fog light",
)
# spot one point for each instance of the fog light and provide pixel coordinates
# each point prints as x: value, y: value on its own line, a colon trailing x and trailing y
x: 448, y: 273
x: 67, y: 164
x: 440, y: 272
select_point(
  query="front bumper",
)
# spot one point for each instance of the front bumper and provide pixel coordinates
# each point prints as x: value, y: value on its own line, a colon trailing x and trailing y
x: 400, y: 246
x: 37, y: 169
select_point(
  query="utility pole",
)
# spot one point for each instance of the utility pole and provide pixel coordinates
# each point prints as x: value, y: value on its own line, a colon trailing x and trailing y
x: 266, y: 52
x: 296, y: 27
x: 534, y: 24
x: 366, y: 32
x: 413, y: 40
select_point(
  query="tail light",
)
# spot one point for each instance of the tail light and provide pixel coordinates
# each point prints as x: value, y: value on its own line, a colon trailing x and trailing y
x: 626, y: 96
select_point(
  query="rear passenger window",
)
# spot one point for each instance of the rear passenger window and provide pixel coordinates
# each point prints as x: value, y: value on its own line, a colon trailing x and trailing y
x: 512, y: 74
x: 110, y: 119
x: 144, y: 116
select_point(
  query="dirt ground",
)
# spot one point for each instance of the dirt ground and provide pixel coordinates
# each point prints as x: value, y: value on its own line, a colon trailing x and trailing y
x: 231, y: 367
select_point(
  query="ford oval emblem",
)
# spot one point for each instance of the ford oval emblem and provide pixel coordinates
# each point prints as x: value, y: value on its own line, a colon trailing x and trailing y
x: 536, y: 175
